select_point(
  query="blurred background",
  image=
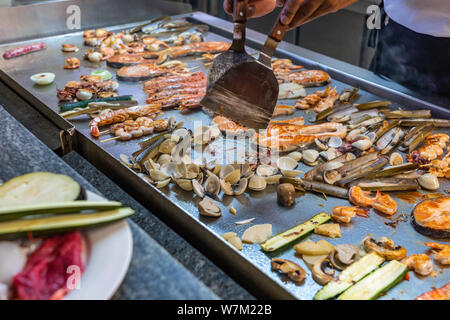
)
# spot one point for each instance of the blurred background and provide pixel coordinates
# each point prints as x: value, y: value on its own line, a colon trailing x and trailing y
x: 341, y: 35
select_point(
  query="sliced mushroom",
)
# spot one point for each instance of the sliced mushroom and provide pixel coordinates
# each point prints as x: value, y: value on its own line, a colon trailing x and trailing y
x: 386, y: 248
x: 208, y: 207
x: 293, y: 270
x: 344, y: 255
x: 323, y: 271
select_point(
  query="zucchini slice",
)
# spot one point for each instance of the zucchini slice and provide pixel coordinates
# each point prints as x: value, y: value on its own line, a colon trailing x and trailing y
x: 15, y: 212
x: 39, y: 187
x: 59, y: 223
x: 353, y: 273
x: 294, y: 233
x: 379, y: 281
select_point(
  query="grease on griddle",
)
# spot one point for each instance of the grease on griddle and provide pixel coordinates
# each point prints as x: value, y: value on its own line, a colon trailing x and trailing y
x: 395, y: 220
x: 415, y: 196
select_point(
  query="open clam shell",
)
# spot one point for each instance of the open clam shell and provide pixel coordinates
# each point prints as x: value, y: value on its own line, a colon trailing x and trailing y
x: 310, y: 156
x: 273, y: 179
x: 157, y: 175
x: 198, y: 189
x: 212, y: 185
x: 257, y: 183
x: 286, y: 163
x: 265, y: 170
x: 297, y: 156
x: 184, y: 184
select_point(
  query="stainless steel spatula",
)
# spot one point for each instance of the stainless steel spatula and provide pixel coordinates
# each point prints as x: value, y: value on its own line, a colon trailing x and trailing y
x: 236, y: 53
x: 246, y: 92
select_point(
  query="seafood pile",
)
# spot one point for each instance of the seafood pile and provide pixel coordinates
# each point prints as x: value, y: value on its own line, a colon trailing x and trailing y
x: 88, y: 87
x: 358, y: 152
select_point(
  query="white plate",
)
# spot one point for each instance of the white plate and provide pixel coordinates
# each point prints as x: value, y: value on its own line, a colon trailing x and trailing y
x: 109, y: 251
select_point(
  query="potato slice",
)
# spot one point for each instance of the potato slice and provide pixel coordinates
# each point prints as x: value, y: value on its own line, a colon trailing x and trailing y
x: 332, y: 230
x: 311, y: 248
x: 236, y: 242
x: 311, y: 260
x: 228, y: 235
x: 257, y: 233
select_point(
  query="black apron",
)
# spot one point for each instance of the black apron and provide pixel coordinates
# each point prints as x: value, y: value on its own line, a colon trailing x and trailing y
x: 417, y: 61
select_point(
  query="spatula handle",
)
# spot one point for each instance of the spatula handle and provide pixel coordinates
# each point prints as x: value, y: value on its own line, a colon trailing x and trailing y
x: 272, y: 41
x: 240, y: 20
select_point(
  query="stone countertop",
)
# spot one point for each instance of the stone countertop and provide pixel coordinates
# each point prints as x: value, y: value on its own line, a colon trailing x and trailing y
x: 153, y: 272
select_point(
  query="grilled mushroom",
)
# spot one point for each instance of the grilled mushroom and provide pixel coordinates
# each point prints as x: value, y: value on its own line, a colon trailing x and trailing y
x: 293, y: 270
x: 286, y: 194
x: 323, y: 271
x: 344, y: 255
x: 386, y: 248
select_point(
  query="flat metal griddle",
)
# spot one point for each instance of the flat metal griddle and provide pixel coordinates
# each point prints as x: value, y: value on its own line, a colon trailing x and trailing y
x: 178, y: 208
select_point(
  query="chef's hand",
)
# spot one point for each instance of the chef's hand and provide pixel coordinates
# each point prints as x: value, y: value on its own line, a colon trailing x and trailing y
x: 298, y: 12
x: 256, y: 8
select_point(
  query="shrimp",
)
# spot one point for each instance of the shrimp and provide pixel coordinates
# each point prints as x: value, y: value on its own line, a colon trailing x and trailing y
x: 385, y: 204
x: 122, y: 115
x: 160, y: 125
x: 442, y: 293
x: 344, y: 214
x: 434, y: 148
x: 359, y: 197
x: 69, y: 47
x: 107, y: 53
x: 442, y: 255
x: 420, y: 263
x: 72, y: 63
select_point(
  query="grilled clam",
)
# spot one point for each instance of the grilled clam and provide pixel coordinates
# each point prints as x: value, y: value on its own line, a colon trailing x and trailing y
x: 257, y: 183
x: 265, y: 170
x: 212, y: 185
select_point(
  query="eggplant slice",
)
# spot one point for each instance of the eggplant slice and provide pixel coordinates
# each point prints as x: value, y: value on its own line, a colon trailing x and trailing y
x: 39, y: 187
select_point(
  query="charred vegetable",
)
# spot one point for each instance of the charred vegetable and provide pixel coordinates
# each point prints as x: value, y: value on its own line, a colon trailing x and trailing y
x: 295, y: 233
x: 376, y: 283
x: 349, y: 276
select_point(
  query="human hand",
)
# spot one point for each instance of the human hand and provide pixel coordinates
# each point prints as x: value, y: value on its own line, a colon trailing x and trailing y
x: 298, y: 12
x: 255, y: 8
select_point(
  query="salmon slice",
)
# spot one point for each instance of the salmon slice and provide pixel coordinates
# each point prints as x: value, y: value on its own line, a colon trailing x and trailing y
x: 226, y: 125
x: 283, y: 110
x: 123, y: 60
x: 319, y: 100
x: 140, y: 72
x: 308, y: 78
x: 433, y: 214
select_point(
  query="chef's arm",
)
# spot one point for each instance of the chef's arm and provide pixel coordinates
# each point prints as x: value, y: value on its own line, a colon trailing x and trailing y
x: 294, y: 12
